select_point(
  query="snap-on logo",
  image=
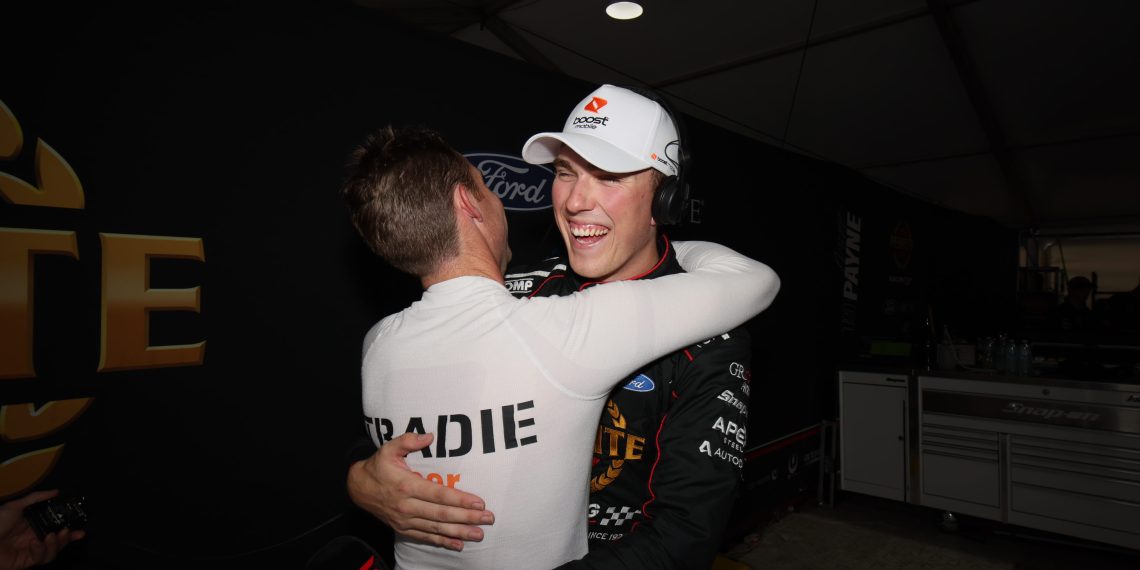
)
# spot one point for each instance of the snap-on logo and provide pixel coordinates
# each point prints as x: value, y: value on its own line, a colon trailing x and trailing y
x: 1017, y: 408
x: 521, y: 186
x: 596, y: 104
x: 642, y: 383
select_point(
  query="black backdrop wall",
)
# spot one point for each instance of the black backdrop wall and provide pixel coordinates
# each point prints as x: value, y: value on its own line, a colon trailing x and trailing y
x: 182, y: 340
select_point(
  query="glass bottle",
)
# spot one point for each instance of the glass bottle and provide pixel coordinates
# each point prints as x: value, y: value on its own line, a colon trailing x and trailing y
x: 1009, y: 356
x: 999, y: 354
x: 984, y: 352
x: 1024, y: 358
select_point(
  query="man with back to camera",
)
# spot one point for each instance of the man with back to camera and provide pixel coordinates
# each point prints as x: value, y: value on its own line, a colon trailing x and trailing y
x: 668, y: 448
x: 506, y: 383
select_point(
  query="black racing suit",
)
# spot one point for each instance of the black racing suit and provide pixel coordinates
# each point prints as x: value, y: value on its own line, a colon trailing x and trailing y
x: 668, y: 454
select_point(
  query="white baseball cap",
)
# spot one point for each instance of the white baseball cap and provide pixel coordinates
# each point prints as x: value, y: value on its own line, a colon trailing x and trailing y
x: 615, y: 130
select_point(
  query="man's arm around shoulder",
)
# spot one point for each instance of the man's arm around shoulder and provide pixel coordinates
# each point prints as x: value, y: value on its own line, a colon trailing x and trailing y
x: 412, y: 506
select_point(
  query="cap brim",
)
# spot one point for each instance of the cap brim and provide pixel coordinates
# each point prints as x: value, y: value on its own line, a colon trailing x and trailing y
x: 543, y: 148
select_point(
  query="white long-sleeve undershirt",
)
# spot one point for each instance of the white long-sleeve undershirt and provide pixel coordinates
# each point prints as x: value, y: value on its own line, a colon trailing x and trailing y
x: 513, y: 389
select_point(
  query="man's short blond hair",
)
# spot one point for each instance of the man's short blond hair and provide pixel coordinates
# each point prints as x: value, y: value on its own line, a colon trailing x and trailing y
x: 399, y: 189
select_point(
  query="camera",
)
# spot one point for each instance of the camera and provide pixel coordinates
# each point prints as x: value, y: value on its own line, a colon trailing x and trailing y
x: 56, y: 514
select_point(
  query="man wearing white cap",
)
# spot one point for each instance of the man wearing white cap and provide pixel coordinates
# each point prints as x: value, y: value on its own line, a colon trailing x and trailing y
x: 667, y: 453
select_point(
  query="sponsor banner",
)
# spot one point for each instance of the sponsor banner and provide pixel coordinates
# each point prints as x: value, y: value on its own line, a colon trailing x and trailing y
x: 520, y: 286
x: 454, y: 433
x: 849, y: 245
x: 711, y: 449
x: 520, y: 185
x: 734, y: 436
x: 614, y: 446
x: 641, y: 383
x: 731, y: 400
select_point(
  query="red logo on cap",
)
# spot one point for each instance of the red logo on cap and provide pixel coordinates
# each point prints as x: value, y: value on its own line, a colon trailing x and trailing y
x: 596, y: 105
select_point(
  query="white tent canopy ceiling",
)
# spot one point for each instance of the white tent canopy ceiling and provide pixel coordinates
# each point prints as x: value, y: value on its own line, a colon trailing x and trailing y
x: 1024, y: 111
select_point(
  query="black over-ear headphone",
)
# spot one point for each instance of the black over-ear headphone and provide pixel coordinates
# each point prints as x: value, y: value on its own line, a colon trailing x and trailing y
x: 672, y: 194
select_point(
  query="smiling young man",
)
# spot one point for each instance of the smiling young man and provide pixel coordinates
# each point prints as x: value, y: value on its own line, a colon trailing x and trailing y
x: 668, y: 450
x: 602, y: 218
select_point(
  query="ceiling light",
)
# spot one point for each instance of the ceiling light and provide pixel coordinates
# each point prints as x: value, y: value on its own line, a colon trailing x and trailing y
x: 623, y: 10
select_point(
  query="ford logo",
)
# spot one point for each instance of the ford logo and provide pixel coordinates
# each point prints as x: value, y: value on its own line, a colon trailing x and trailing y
x: 519, y: 185
x: 642, y: 383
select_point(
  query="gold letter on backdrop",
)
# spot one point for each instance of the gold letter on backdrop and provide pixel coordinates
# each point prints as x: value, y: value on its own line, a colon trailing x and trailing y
x: 17, y: 250
x: 59, y: 187
x: 22, y: 472
x: 11, y: 136
x: 21, y: 422
x: 128, y: 300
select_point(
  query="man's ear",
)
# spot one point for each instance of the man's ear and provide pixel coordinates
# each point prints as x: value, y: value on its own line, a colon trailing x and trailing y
x: 466, y: 203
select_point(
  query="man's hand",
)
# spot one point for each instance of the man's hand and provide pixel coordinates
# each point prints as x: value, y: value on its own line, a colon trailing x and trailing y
x: 20, y: 548
x: 414, y: 507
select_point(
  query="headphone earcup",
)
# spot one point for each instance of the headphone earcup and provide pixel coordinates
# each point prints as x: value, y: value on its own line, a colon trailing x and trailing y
x: 669, y: 201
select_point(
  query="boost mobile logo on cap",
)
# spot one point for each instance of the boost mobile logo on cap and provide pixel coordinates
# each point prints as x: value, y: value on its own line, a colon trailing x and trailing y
x: 521, y: 186
x: 587, y: 122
